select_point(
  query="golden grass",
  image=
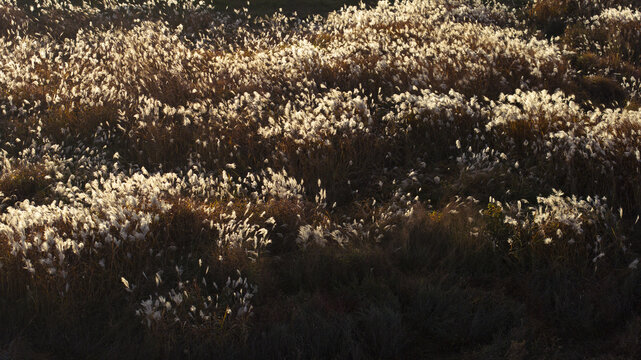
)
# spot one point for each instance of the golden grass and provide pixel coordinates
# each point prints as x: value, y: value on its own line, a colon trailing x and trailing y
x: 394, y: 244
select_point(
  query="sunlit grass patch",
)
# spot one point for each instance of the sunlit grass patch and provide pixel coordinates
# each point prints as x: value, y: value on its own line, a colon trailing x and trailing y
x: 410, y: 179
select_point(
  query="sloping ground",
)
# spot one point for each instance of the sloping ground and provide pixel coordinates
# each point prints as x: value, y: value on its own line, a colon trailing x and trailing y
x: 424, y: 179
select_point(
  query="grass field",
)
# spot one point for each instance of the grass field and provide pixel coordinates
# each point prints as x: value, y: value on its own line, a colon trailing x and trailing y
x: 424, y: 179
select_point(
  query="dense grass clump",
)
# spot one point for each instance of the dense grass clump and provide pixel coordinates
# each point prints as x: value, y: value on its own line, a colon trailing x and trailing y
x: 409, y: 179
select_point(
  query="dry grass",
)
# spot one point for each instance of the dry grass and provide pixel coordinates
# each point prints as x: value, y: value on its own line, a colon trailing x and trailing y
x: 424, y: 179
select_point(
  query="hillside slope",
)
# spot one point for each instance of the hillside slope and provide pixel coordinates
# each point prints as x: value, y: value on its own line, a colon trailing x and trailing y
x: 423, y: 179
